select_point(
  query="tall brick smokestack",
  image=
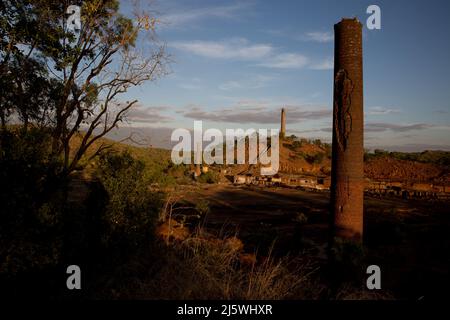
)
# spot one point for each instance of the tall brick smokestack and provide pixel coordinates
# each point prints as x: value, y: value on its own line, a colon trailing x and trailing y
x: 347, y: 176
x: 283, y: 123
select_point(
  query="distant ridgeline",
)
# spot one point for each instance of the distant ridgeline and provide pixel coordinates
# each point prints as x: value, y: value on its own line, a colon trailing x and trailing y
x: 307, y: 164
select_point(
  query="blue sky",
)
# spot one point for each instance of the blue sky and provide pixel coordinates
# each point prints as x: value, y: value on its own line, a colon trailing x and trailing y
x: 236, y: 63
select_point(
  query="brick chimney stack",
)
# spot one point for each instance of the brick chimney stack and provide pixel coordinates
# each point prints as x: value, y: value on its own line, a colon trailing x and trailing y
x: 283, y: 124
x: 347, y: 176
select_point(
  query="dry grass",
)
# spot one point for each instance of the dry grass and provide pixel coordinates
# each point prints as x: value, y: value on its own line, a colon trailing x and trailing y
x: 211, y: 268
x: 207, y: 267
x: 349, y: 292
x: 204, y: 267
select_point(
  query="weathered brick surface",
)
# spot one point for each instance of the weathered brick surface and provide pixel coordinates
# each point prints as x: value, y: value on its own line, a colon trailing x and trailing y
x: 283, y: 123
x: 347, y: 186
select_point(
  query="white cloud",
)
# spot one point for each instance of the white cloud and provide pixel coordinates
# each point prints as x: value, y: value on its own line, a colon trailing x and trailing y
x: 381, y: 111
x: 286, y: 61
x: 395, y: 127
x: 264, y: 55
x: 249, y: 82
x: 327, y: 64
x: 231, y: 85
x: 257, y: 112
x: 318, y: 36
x: 238, y: 48
x: 438, y: 127
x: 148, y: 114
x: 188, y: 17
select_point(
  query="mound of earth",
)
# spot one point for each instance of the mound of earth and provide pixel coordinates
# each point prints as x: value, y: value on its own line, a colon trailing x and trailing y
x: 312, y: 159
x: 306, y: 158
x: 294, y: 159
x: 386, y: 168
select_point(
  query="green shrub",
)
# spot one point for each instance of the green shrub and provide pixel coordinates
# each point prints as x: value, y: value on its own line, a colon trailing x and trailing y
x: 209, y: 177
x: 48, y: 222
x: 296, y: 144
x: 316, y: 158
x: 131, y: 210
x: 317, y: 142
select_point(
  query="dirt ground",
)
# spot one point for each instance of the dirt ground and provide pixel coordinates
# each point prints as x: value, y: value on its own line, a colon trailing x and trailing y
x: 409, y: 240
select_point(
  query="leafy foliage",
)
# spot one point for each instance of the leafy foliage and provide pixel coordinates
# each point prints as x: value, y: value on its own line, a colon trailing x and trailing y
x: 209, y: 177
x: 131, y: 209
x: 57, y: 82
x: 65, y: 80
x: 316, y: 158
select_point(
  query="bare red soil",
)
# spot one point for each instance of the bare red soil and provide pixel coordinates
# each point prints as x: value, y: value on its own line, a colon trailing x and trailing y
x: 385, y: 168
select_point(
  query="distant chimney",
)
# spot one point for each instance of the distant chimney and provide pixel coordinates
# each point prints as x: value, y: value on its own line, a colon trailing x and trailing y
x: 283, y: 123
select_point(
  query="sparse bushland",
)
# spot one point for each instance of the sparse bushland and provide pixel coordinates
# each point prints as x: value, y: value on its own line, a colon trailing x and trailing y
x: 48, y: 222
x: 65, y: 90
x: 131, y: 209
x: 109, y: 226
x: 180, y: 171
x: 441, y: 158
x: 316, y: 158
x: 209, y: 177
x: 199, y: 265
x: 296, y: 144
x: 206, y: 267
x: 62, y: 91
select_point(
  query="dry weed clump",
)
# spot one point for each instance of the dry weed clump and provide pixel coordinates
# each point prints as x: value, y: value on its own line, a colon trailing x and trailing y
x: 350, y: 292
x: 203, y: 266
